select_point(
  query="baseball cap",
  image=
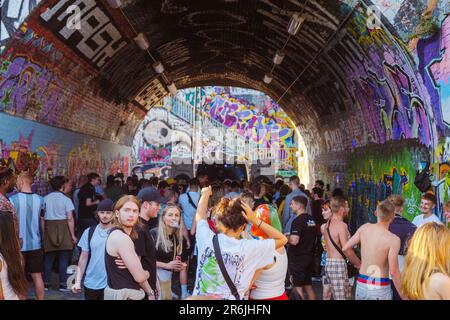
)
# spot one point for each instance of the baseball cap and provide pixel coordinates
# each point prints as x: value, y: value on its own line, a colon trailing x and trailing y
x: 150, y: 194
x: 105, y: 205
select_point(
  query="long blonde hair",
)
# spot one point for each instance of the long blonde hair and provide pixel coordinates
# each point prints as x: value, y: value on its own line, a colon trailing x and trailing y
x: 119, y: 204
x: 428, y: 253
x: 163, y: 240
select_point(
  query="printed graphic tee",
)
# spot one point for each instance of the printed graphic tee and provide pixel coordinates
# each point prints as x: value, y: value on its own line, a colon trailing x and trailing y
x: 241, y: 258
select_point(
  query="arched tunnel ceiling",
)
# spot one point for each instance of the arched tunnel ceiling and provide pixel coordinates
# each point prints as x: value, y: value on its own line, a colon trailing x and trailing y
x: 344, y: 72
x: 232, y: 43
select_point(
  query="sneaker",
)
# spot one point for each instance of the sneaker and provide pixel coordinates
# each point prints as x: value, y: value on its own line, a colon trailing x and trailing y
x: 316, y: 279
x: 46, y: 286
x: 63, y: 288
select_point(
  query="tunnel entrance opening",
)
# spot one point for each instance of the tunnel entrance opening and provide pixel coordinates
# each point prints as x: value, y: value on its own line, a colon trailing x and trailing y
x: 222, y: 172
x: 235, y: 129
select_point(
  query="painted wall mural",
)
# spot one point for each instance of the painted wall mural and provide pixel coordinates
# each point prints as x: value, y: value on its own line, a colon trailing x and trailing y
x: 373, y: 176
x: 38, y: 82
x: 12, y: 14
x: 250, y: 113
x: 46, y: 151
x: 161, y: 137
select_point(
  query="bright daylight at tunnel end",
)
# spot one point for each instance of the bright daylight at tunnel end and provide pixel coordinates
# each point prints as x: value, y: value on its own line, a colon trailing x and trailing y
x: 224, y: 150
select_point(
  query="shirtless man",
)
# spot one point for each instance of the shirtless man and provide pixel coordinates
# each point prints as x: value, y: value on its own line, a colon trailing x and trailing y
x: 379, y: 256
x: 336, y: 265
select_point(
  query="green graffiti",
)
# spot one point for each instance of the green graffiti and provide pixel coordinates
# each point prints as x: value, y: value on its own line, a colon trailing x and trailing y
x: 375, y: 176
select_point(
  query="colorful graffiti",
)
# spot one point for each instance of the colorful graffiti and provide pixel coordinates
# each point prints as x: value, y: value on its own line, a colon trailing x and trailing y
x: 46, y: 151
x: 12, y: 14
x: 88, y: 29
x: 373, y: 176
x: 439, y: 71
x: 161, y: 137
x: 38, y: 82
x: 249, y: 113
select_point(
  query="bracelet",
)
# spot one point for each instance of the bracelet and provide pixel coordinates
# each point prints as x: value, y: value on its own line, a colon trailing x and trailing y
x: 259, y: 224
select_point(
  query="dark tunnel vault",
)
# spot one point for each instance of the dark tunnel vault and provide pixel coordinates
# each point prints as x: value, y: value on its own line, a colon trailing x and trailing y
x: 348, y: 81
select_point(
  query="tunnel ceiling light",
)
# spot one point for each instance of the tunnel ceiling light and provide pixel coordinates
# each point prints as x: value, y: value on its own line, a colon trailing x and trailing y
x: 268, y: 78
x: 115, y: 3
x: 142, y: 41
x: 279, y: 56
x: 295, y: 24
x: 172, y: 89
x: 158, y: 67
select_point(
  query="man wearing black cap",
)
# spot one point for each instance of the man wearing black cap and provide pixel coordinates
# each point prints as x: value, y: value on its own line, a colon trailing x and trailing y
x: 144, y: 244
x: 92, y: 258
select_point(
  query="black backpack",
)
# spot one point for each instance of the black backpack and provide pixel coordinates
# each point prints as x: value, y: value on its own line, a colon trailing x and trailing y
x: 422, y: 180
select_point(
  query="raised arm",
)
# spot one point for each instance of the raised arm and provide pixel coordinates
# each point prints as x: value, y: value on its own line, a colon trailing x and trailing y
x: 202, y: 206
x: 271, y: 232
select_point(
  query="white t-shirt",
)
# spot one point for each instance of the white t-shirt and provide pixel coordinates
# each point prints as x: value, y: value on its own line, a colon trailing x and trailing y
x: 8, y: 291
x: 241, y: 258
x: 57, y: 205
x: 270, y: 283
x: 420, y: 220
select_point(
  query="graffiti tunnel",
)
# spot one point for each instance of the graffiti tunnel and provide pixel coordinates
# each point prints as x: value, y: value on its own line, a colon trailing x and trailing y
x: 365, y: 84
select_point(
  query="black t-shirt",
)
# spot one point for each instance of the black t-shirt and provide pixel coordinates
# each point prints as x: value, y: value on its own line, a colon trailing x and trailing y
x: 86, y: 192
x: 304, y: 227
x: 161, y: 255
x: 259, y: 202
x: 316, y: 208
x: 145, y: 248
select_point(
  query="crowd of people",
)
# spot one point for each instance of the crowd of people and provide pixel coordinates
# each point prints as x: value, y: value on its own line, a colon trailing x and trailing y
x: 159, y: 240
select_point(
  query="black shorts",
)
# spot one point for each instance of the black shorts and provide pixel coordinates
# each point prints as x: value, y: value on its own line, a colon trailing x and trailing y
x: 301, y: 269
x: 34, y: 261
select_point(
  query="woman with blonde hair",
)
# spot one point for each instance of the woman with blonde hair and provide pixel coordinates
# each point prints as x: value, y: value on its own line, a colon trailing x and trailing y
x: 168, y: 238
x: 426, y: 274
x: 129, y: 282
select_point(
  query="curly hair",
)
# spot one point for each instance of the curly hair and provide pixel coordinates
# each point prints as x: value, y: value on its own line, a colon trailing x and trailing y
x: 229, y: 213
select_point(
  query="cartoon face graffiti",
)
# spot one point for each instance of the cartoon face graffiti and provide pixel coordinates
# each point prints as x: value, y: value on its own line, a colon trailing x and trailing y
x: 158, y: 133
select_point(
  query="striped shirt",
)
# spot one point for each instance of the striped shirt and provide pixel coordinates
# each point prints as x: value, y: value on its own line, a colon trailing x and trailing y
x: 29, y: 207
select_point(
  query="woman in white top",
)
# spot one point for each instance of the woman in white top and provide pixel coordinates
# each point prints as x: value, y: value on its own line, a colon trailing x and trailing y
x: 13, y: 284
x: 241, y: 257
x: 269, y: 282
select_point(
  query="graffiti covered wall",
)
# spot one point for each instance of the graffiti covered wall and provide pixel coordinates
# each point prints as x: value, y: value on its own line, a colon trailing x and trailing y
x: 42, y: 80
x: 372, y: 176
x: 250, y: 113
x: 161, y: 137
x: 397, y: 75
x: 13, y: 13
x: 46, y: 151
